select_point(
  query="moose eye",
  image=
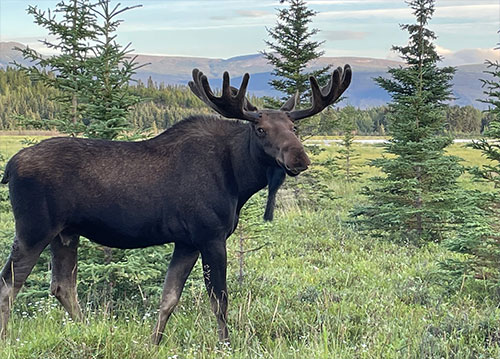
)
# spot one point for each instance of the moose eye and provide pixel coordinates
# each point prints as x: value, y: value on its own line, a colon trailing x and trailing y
x: 261, y: 131
x: 294, y: 129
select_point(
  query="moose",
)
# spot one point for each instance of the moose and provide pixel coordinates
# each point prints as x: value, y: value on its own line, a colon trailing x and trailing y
x: 185, y: 186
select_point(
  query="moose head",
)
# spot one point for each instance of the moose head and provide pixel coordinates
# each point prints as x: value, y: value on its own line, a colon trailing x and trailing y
x: 274, y: 129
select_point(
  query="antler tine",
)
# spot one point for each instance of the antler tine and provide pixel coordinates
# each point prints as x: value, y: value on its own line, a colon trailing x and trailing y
x: 207, y: 90
x: 226, y: 91
x: 232, y: 103
x: 243, y: 87
x: 247, y: 106
x: 324, y: 97
x: 197, y: 87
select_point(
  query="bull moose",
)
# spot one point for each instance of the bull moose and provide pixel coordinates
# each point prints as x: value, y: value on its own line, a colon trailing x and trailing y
x: 186, y: 186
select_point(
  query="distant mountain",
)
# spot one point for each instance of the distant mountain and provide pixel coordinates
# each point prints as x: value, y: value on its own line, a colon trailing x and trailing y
x: 9, y: 55
x: 363, y: 92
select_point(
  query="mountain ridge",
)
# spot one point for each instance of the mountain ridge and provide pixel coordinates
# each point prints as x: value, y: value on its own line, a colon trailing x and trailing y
x: 363, y: 92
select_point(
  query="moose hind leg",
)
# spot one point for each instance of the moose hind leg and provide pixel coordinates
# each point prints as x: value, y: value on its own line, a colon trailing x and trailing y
x: 19, y: 265
x: 64, y: 250
x: 183, y: 261
x: 214, y: 259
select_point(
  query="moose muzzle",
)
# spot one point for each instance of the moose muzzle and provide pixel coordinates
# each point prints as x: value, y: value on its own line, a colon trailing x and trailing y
x: 295, y: 161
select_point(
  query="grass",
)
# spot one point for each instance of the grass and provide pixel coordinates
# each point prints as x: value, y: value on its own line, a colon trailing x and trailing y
x: 318, y: 289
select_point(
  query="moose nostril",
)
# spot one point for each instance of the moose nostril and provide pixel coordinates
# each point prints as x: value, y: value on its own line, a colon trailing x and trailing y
x: 306, y: 161
x: 301, y: 165
x: 295, y: 159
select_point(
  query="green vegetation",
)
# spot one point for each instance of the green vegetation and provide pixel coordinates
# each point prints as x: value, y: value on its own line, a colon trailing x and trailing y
x: 348, y: 120
x: 90, y: 73
x: 480, y: 241
x: 291, y: 51
x: 316, y: 289
x: 163, y: 105
x: 310, y: 284
x: 418, y: 197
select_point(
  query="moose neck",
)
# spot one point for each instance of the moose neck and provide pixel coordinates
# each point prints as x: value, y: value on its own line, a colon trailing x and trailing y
x: 250, y: 165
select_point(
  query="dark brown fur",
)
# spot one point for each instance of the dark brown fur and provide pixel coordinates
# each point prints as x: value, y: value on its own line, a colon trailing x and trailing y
x: 186, y: 186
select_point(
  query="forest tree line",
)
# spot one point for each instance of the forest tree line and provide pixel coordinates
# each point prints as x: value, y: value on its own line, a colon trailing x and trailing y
x: 23, y: 100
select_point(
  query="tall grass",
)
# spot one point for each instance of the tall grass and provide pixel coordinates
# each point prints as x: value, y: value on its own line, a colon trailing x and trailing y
x: 317, y: 289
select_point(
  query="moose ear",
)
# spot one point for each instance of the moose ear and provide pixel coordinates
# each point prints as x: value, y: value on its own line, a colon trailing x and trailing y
x: 290, y: 103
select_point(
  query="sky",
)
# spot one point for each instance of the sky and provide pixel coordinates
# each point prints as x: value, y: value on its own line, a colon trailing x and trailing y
x: 467, y: 30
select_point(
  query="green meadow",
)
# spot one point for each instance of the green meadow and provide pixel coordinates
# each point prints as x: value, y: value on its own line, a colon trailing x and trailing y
x: 315, y: 287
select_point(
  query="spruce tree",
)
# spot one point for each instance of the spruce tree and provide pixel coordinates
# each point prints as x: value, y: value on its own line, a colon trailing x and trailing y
x: 292, y: 50
x: 108, y: 96
x: 479, y: 237
x: 490, y: 146
x: 346, y: 154
x: 417, y: 196
x: 73, y: 24
x: 91, y: 71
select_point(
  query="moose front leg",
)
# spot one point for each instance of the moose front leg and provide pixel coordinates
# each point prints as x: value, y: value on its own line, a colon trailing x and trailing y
x: 214, y: 272
x: 183, y: 260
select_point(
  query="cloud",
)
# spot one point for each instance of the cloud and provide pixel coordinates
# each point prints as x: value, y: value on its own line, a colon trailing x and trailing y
x: 147, y: 28
x: 344, y: 35
x: 348, y: 2
x: 467, y: 56
x: 391, y: 2
x: 485, y: 12
x: 459, y: 57
x: 443, y: 51
x: 219, y: 17
x: 253, y: 13
x: 183, y: 4
x: 362, y: 14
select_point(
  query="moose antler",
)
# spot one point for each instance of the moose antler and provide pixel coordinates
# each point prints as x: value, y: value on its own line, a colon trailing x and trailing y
x: 324, y: 97
x: 232, y: 103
